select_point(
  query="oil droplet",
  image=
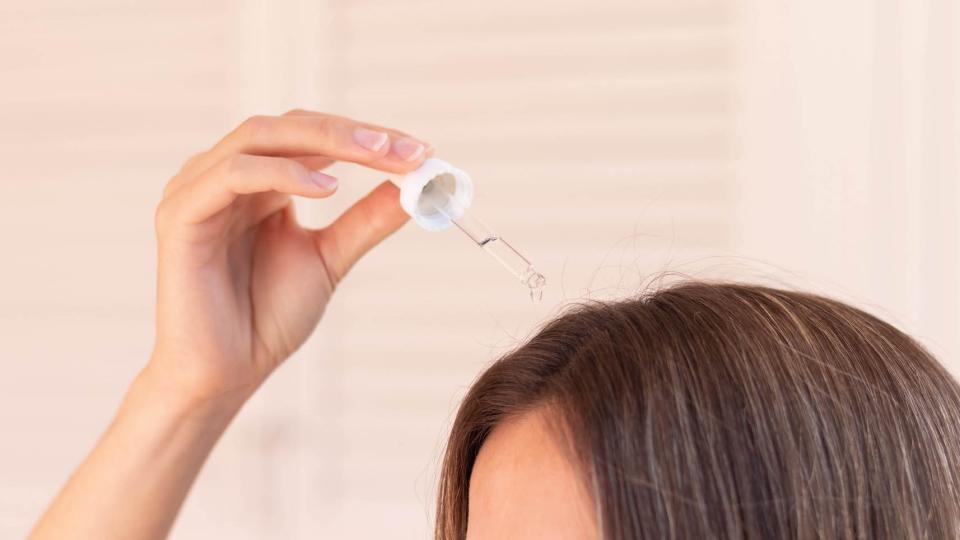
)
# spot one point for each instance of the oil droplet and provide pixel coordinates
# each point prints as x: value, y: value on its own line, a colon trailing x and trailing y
x: 536, y: 282
x: 536, y: 295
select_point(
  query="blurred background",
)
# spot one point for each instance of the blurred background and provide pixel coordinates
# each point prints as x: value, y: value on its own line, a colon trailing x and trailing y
x: 804, y: 144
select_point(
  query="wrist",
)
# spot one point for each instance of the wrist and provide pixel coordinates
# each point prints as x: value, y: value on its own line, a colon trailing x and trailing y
x: 155, y: 388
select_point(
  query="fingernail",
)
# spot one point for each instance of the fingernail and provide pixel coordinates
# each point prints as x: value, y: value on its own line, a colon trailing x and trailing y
x: 370, y: 139
x: 324, y: 181
x: 408, y: 149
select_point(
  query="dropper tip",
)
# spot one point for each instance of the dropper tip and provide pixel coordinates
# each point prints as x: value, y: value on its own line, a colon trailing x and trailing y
x: 535, y: 280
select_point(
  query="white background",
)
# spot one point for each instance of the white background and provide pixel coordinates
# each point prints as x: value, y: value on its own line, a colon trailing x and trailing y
x: 806, y: 144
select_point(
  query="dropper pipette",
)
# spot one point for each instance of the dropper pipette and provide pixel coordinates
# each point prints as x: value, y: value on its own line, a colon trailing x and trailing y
x: 438, y: 196
x: 441, y: 200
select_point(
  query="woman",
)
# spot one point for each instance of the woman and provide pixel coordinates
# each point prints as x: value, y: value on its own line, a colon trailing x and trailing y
x: 701, y: 411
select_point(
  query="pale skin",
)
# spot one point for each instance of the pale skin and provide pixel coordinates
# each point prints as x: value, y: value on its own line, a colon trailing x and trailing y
x: 240, y: 286
x: 524, y: 485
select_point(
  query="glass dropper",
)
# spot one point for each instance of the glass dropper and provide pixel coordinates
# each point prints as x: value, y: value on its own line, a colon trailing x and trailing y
x: 437, y: 197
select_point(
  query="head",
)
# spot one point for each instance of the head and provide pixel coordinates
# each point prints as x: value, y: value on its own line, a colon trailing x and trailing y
x: 708, y: 411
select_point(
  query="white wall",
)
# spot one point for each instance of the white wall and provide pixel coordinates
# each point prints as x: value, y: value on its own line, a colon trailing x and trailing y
x: 848, y: 162
x: 810, y: 144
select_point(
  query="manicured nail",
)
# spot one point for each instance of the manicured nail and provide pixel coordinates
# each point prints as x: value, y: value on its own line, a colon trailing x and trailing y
x: 370, y: 139
x: 324, y: 181
x: 408, y: 149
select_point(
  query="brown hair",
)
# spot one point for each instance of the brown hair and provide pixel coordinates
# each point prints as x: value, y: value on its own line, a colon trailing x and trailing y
x: 731, y: 411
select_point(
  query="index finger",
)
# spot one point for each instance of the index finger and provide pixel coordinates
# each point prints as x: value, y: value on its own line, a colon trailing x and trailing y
x: 300, y: 133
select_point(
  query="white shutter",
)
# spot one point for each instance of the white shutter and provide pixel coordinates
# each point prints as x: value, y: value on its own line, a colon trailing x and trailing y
x: 100, y: 102
x: 609, y: 140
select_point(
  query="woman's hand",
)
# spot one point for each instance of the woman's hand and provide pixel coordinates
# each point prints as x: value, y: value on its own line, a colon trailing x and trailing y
x: 240, y: 284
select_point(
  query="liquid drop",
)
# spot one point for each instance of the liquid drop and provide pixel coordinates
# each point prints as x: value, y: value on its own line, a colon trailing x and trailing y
x: 536, y: 282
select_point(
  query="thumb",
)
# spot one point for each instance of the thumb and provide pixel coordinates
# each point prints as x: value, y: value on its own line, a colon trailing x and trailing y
x: 360, y: 228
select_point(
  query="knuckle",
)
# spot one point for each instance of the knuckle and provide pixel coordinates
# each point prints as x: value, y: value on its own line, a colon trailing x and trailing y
x: 323, y: 125
x: 233, y: 164
x: 177, y: 181
x: 254, y: 128
x: 170, y: 187
x: 283, y: 174
x: 291, y: 168
x: 192, y: 161
x: 161, y: 217
x: 231, y: 171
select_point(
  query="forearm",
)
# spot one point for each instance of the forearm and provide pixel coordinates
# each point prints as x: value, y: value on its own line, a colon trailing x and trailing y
x: 241, y: 285
x: 133, y: 483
